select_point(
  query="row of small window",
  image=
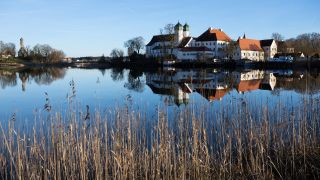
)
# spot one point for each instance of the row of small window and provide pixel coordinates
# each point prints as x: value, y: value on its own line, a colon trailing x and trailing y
x: 252, y: 76
x: 194, y: 54
x: 208, y: 44
x: 273, y: 49
x: 249, y: 54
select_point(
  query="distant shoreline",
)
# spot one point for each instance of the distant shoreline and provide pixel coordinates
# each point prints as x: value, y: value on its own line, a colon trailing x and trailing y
x: 186, y: 65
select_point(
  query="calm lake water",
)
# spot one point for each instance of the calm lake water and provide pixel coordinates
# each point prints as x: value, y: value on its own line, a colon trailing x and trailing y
x: 23, y: 92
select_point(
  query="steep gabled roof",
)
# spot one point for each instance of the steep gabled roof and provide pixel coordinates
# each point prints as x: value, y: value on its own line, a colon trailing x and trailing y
x: 265, y: 86
x: 266, y: 42
x: 185, y: 88
x: 184, y: 42
x: 249, y: 45
x: 161, y: 38
x: 214, y: 35
x: 161, y: 91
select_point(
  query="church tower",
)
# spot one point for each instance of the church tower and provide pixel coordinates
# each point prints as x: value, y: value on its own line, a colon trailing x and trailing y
x: 178, y: 31
x: 22, y: 53
x: 21, y: 43
x: 186, y: 30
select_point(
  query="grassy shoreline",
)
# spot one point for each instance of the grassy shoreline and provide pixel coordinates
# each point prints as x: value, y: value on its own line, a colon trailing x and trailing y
x: 280, y: 143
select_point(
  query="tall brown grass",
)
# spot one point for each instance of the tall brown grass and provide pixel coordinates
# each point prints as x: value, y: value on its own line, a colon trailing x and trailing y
x: 238, y: 142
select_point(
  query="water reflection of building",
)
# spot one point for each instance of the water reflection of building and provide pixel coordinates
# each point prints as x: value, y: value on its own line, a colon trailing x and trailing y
x: 269, y: 82
x: 253, y: 80
x: 24, y: 78
x: 214, y: 88
x: 178, y: 86
x: 213, y: 94
x: 248, y: 80
x: 172, y: 92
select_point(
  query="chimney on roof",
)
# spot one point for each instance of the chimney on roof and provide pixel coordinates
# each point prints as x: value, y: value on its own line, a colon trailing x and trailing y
x: 221, y: 30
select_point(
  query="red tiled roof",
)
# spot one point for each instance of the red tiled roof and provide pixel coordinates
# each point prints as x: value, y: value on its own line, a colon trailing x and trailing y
x: 214, y: 35
x: 213, y: 94
x: 161, y: 38
x: 250, y: 45
x: 249, y: 85
x: 187, y: 49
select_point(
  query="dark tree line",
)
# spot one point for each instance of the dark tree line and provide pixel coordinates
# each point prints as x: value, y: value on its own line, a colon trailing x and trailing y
x: 45, y: 53
x: 308, y: 43
x: 39, y: 53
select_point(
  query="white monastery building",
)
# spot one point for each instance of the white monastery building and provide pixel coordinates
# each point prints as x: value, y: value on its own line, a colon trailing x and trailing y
x: 270, y: 48
x: 209, y: 45
x: 248, y: 49
x: 181, y: 45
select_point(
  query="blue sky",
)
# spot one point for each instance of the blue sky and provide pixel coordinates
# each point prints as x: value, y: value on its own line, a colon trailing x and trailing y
x: 94, y: 27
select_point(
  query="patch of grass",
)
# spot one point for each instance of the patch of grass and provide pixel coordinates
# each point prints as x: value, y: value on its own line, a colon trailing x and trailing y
x: 279, y: 143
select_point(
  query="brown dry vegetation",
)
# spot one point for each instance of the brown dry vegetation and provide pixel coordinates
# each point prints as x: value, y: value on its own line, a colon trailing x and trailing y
x: 280, y: 143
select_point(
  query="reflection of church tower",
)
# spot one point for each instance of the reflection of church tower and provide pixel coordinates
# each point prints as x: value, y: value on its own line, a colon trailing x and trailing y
x: 23, y: 77
x: 23, y: 51
x: 181, y: 94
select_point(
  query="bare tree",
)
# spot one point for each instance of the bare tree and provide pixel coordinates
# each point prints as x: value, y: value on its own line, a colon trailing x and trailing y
x: 56, y: 56
x: 230, y: 49
x: 277, y: 37
x: 169, y: 29
x: 7, y: 49
x: 45, y: 53
x: 42, y: 50
x: 117, y: 54
x: 134, y: 45
x: 1, y: 47
x: 169, y: 40
x: 308, y: 43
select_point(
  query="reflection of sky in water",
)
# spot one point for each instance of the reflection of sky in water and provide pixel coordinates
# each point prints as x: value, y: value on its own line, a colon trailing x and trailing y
x: 102, y: 92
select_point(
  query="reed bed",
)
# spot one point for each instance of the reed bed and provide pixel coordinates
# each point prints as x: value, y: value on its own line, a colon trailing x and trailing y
x: 237, y: 142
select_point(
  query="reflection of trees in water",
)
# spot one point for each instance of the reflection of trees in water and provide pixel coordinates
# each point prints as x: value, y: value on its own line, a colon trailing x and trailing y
x: 49, y: 75
x: 39, y: 75
x: 117, y: 74
x: 103, y: 71
x: 42, y: 75
x: 135, y: 84
x: 8, y: 79
x: 135, y: 81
